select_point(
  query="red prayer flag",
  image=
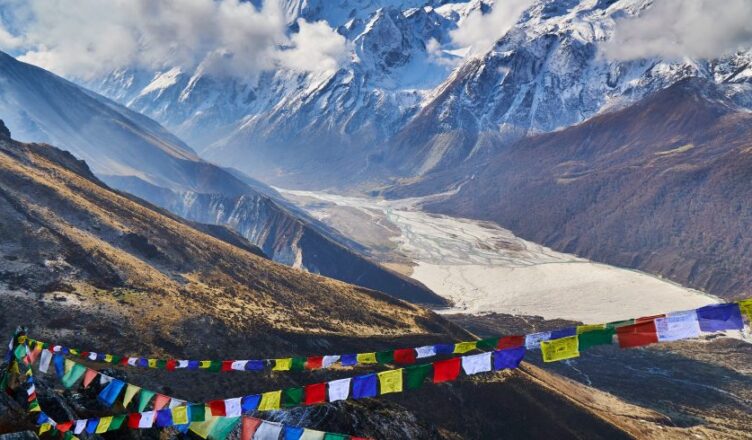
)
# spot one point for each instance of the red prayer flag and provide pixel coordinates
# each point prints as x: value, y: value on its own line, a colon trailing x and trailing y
x: 510, y: 342
x: 171, y: 365
x: 250, y: 425
x: 160, y: 401
x: 637, y: 335
x: 648, y: 318
x: 404, y: 356
x: 133, y: 420
x: 64, y: 426
x: 227, y: 366
x: 445, y: 371
x: 315, y: 393
x: 314, y: 362
x: 124, y: 361
x: 32, y: 397
x: 89, y: 376
x: 217, y: 408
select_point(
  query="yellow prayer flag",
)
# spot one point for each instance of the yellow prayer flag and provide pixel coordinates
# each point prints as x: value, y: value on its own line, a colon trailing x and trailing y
x: 180, y: 415
x: 39, y: 345
x: 390, y: 381
x: 108, y: 358
x: 464, y: 347
x: 560, y: 349
x: 130, y: 391
x: 282, y: 364
x: 44, y: 427
x: 366, y: 358
x: 74, y: 351
x: 204, y: 364
x: 202, y: 429
x: 152, y: 363
x: 745, y: 306
x: 589, y: 328
x: 14, y: 368
x: 68, y: 365
x: 35, y: 408
x: 22, y: 339
x: 104, y: 425
x: 270, y: 401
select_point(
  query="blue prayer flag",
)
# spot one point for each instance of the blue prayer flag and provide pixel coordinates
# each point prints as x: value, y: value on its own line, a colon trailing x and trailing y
x: 348, y: 360
x: 254, y: 365
x: 111, y: 392
x: 91, y: 425
x: 164, y: 418
x: 563, y: 333
x: 292, y: 433
x: 364, y: 386
x: 193, y: 365
x: 59, y: 360
x: 444, y: 348
x: 508, y: 358
x: 250, y: 403
x: 720, y: 317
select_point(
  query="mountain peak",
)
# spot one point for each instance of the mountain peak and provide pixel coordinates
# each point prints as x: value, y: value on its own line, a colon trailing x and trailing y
x: 4, y: 132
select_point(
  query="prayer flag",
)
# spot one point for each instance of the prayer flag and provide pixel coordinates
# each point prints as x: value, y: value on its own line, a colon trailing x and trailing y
x: 415, y: 375
x: 315, y: 393
x: 80, y: 426
x: 622, y: 323
x: 385, y: 357
x: 591, y: 338
x: 180, y: 415
x: 217, y: 408
x: 310, y: 434
x: 444, y: 348
x: 292, y: 433
x: 223, y: 427
x: 533, y: 340
x: 508, y: 358
x: 464, y: 347
x: 254, y: 365
x: 203, y: 429
x: 637, y: 335
x: 44, y: 428
x: 404, y: 356
x: 298, y: 364
x: 89, y: 376
x: 130, y: 392
x: 104, y: 425
x: 719, y: 317
x: 560, y: 349
x: 292, y: 397
x: 59, y: 360
x: 198, y: 412
x: 44, y: 361
x: 66, y: 426
x: 488, y: 343
x: 333, y: 436
x: 348, y: 360
x: 511, y: 342
x: 282, y: 364
x: 226, y: 366
x: 73, y: 374
x: 677, y: 326
x: 268, y: 431
x: 589, y: 328
x: 477, y: 363
x: 314, y: 362
x: 745, y: 306
x: 426, y: 351
x: 270, y: 401
x: 390, y: 381
x: 563, y: 333
x: 164, y: 418
x: 111, y: 392
x: 328, y: 361
x: 364, y: 386
x: 161, y: 401
x: 250, y: 403
x: 366, y: 358
x: 144, y: 398
x: 91, y: 426
x: 233, y: 407
x: 339, y: 389
x: 447, y: 370
x: 133, y: 420
x: 249, y: 427
x: 152, y: 363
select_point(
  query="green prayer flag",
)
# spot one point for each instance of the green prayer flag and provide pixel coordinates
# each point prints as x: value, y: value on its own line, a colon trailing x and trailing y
x: 616, y: 324
x: 385, y: 357
x: 116, y: 360
x: 117, y: 422
x: 596, y: 337
x: 215, y: 366
x: 73, y: 375
x: 298, y: 363
x: 162, y: 364
x: 333, y: 436
x: 415, y: 375
x: 198, y: 413
x: 223, y: 427
x: 292, y: 397
x: 20, y: 352
x: 68, y: 435
x: 143, y: 399
x: 488, y: 343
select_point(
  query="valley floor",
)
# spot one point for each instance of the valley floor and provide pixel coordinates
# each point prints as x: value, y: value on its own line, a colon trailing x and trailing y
x: 482, y: 267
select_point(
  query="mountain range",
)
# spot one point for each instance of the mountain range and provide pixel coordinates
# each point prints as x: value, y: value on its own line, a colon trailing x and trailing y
x: 133, y: 153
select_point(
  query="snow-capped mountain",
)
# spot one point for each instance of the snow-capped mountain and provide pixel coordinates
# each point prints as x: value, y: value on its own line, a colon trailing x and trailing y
x: 409, y: 100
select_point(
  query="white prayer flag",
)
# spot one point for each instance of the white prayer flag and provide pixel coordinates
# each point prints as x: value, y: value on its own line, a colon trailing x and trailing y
x: 477, y: 363
x: 339, y: 389
x: 56, y: 348
x: 328, y: 361
x: 310, y: 434
x: 103, y: 380
x: 182, y: 364
x: 233, y: 408
x: 132, y: 361
x: 676, y: 326
x: 238, y: 365
x: 533, y: 340
x: 175, y: 402
x: 426, y: 351
x: 44, y: 362
x: 92, y: 356
x: 147, y: 419
x: 80, y: 426
x: 268, y: 431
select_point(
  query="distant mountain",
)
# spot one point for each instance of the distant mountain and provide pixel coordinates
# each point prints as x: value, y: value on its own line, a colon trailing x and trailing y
x: 133, y: 153
x: 408, y: 103
x: 663, y: 186
x: 89, y: 267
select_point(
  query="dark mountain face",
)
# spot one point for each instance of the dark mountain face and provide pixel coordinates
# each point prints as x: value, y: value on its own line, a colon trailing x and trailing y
x: 663, y: 186
x: 135, y: 154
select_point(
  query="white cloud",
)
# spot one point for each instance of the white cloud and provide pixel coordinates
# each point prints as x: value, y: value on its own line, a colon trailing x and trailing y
x: 479, y: 31
x: 90, y: 37
x: 683, y: 28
